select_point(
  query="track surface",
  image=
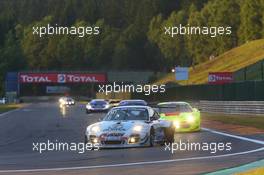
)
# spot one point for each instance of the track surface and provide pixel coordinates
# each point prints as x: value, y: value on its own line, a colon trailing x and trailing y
x: 44, y: 121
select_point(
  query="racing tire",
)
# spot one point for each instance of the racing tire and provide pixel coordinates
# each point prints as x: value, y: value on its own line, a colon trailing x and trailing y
x: 85, y: 140
x: 152, y: 137
x: 169, y: 134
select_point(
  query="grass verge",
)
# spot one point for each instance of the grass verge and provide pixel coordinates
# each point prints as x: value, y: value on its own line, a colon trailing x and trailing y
x: 244, y: 120
x: 230, y: 61
x: 83, y: 102
x: 8, y: 107
x: 256, y: 171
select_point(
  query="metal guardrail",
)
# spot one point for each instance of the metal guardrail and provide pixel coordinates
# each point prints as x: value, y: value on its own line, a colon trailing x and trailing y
x: 232, y: 107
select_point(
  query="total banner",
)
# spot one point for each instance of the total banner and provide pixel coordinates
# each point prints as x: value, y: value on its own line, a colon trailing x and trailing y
x: 220, y: 77
x: 62, y: 78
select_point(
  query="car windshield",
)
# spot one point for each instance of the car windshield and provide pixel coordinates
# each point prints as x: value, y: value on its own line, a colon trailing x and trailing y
x: 98, y: 102
x: 136, y: 102
x: 114, y: 101
x: 127, y: 114
x: 170, y: 108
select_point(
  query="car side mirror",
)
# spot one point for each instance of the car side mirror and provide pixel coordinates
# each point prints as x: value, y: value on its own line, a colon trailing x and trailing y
x: 196, y: 110
x: 152, y: 118
x: 156, y: 109
x: 155, y: 116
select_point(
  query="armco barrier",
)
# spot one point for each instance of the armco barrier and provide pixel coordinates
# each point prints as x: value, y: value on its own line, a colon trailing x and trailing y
x: 232, y: 107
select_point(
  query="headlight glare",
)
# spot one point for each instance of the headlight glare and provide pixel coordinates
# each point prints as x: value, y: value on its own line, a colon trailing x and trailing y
x: 176, y: 124
x: 137, y: 128
x: 95, y: 129
x: 190, y: 119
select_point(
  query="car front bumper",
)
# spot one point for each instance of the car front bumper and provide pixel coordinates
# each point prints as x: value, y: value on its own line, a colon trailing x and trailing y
x: 120, y: 143
x: 188, y: 127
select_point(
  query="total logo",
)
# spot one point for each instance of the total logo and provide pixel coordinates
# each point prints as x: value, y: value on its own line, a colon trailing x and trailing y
x: 70, y: 78
x: 32, y: 79
x: 212, y: 78
x: 80, y: 78
x: 61, y: 78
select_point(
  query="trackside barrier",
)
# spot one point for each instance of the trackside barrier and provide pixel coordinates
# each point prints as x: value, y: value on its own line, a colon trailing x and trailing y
x: 232, y: 107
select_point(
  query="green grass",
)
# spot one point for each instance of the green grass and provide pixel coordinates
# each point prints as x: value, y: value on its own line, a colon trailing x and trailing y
x: 230, y: 61
x: 256, y: 171
x: 83, y: 102
x: 8, y: 107
x: 244, y: 120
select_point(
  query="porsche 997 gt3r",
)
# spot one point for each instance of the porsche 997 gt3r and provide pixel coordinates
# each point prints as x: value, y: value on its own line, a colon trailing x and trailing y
x: 97, y: 105
x: 130, y: 126
x: 184, y: 117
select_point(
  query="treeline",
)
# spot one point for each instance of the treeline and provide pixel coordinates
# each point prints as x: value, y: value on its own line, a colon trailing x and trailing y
x: 132, y: 35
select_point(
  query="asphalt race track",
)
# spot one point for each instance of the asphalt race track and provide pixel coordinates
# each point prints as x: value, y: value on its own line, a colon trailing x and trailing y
x: 40, y: 122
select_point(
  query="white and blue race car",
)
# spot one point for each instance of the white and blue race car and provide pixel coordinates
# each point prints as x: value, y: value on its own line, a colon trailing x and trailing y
x: 97, y: 105
x: 130, y: 126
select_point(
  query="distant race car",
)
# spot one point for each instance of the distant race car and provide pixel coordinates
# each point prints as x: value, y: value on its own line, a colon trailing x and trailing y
x: 184, y: 117
x: 130, y: 126
x: 97, y: 105
x: 133, y: 102
x: 114, y: 102
x: 66, y: 101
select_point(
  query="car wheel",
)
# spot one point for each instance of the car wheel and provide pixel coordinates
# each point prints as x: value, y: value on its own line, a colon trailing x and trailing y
x: 85, y: 140
x: 152, y: 138
x: 169, y: 134
x: 87, y: 111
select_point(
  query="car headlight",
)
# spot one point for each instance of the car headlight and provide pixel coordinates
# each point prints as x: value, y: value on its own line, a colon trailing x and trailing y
x: 176, y: 124
x: 95, y: 129
x: 190, y: 118
x: 107, y: 106
x: 88, y: 106
x: 137, y: 128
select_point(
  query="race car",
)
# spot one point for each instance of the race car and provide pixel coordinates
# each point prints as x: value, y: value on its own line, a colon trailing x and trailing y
x: 130, y: 126
x: 133, y: 102
x: 97, y: 105
x: 114, y: 102
x: 66, y: 101
x: 184, y: 117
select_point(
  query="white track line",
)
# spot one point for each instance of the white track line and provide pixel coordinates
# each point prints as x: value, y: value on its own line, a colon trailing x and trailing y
x: 152, y: 162
x: 132, y: 164
x: 8, y: 112
x: 234, y: 136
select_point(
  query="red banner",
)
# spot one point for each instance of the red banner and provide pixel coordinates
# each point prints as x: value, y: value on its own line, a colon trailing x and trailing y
x: 62, y: 78
x: 220, y: 77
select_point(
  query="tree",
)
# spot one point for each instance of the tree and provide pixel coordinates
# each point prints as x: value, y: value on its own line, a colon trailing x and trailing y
x: 251, y: 21
x: 11, y: 57
x: 214, y: 14
x: 173, y: 48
